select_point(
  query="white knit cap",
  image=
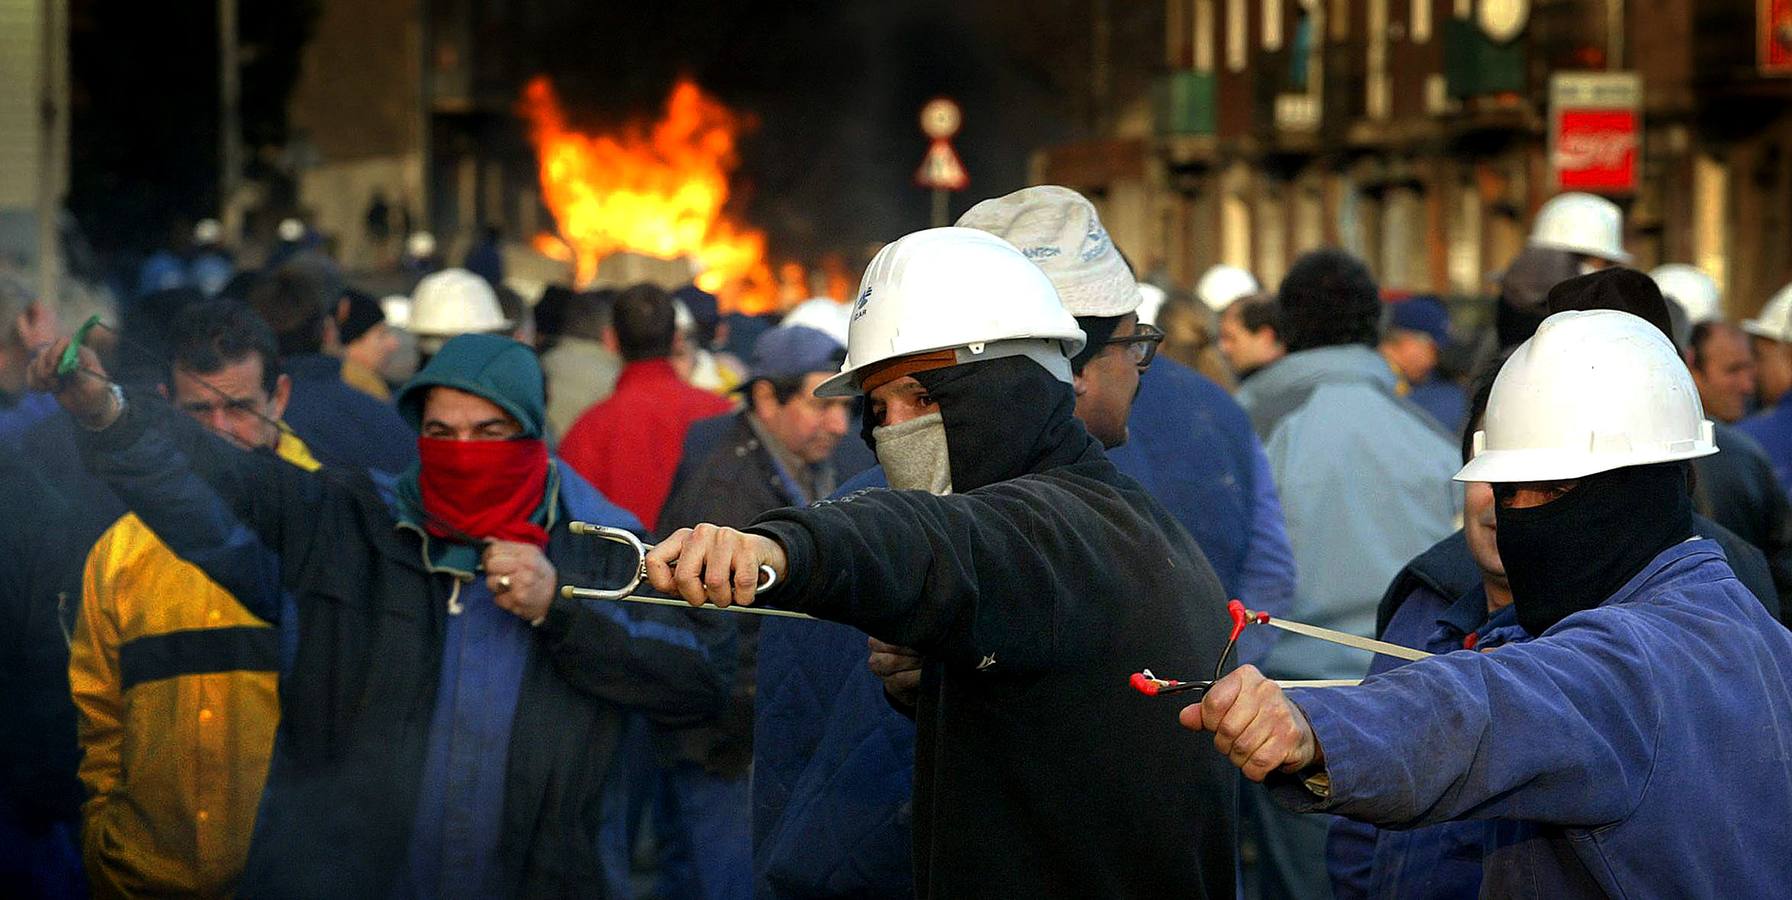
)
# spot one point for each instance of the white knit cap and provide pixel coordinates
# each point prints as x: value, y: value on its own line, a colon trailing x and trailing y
x: 1058, y: 229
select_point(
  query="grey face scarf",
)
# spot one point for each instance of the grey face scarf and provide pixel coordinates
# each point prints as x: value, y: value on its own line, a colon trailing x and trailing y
x: 913, y: 454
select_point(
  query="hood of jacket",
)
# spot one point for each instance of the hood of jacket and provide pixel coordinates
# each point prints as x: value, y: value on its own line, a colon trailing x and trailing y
x: 1285, y: 384
x: 1307, y: 369
x: 1447, y: 568
x: 488, y: 366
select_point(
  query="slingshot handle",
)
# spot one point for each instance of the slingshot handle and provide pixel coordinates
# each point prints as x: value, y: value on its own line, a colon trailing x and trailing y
x: 71, y: 355
x: 768, y: 577
x: 1240, y: 617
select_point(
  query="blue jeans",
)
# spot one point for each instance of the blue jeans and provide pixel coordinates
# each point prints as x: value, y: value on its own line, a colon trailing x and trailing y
x: 702, y: 824
x: 705, y: 829
x: 625, y: 797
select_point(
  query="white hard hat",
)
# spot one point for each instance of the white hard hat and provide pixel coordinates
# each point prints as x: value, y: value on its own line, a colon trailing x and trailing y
x: 1151, y: 299
x: 453, y: 302
x: 291, y: 230
x: 397, y: 309
x: 822, y: 314
x: 1690, y: 287
x: 1222, y: 284
x: 1590, y: 392
x: 1774, y: 321
x: 955, y: 288
x: 207, y: 231
x: 1583, y: 224
x: 420, y: 244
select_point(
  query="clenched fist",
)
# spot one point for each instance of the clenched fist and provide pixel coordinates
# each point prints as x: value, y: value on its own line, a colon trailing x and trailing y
x: 86, y: 393
x: 1255, y: 725
x: 713, y: 564
x: 521, y: 579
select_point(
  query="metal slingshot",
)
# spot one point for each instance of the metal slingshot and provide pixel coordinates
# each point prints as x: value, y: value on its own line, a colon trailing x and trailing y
x: 767, y: 578
x: 1152, y: 686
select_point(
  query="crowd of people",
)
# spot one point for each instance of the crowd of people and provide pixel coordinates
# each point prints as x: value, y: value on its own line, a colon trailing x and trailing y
x: 289, y: 617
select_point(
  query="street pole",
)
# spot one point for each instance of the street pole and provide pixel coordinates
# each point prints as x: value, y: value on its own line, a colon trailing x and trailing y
x: 1614, y: 35
x: 941, y: 172
x: 230, y: 127
x: 1101, y: 37
x: 52, y: 148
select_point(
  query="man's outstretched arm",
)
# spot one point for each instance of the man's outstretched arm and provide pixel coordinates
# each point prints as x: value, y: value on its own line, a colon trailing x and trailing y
x: 234, y: 513
x: 958, y: 578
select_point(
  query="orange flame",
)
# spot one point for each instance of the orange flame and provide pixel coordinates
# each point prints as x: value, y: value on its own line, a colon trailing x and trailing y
x: 553, y: 248
x: 658, y: 190
x: 837, y: 284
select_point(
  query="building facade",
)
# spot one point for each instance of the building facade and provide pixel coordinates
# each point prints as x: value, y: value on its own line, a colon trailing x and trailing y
x: 34, y: 115
x: 1417, y: 134
x: 416, y: 102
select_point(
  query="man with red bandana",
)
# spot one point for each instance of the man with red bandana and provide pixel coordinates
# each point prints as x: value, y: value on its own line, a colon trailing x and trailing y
x: 450, y: 720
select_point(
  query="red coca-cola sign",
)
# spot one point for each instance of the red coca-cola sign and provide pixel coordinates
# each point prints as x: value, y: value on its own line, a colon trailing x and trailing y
x: 1596, y: 150
x: 1775, y: 37
x: 1595, y: 134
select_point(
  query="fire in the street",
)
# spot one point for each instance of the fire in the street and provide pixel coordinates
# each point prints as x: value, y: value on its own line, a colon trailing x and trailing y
x: 660, y: 190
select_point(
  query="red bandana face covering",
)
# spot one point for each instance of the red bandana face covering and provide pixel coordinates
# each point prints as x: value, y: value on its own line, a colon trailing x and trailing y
x: 483, y: 489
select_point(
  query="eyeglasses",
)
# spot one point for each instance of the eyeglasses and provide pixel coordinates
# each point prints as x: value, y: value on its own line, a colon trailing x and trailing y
x: 1141, y: 345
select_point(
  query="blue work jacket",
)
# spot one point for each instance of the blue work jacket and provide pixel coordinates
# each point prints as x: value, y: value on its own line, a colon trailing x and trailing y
x: 1641, y: 744
x: 1441, y: 605
x: 1772, y: 429
x: 1442, y: 399
x: 341, y: 425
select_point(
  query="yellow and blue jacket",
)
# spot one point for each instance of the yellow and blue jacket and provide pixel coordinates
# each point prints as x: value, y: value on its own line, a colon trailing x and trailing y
x: 176, y: 684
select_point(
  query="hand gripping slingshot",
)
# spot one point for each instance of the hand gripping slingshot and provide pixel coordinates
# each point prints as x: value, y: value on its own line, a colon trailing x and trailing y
x: 767, y: 578
x: 1152, y: 686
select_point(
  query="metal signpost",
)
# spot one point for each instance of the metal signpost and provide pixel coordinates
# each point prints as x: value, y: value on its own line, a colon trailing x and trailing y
x: 941, y: 171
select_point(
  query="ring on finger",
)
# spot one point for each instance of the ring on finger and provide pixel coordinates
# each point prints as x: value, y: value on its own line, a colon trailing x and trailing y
x: 503, y: 582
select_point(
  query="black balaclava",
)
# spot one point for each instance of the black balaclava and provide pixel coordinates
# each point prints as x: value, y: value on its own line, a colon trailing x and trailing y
x: 1004, y: 418
x: 1574, y: 552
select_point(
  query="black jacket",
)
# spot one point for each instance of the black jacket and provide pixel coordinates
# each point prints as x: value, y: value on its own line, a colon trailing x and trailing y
x: 343, y: 785
x: 1038, y: 771
x: 729, y: 481
x: 40, y: 596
